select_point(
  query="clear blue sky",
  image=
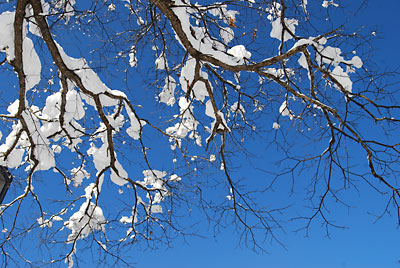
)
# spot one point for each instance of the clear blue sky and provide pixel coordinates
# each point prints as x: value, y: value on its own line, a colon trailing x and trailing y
x: 362, y: 244
x: 365, y: 244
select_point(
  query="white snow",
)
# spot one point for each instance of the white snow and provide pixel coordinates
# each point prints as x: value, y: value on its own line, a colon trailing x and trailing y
x: 131, y: 219
x: 277, y: 28
x: 200, y: 40
x: 303, y: 61
x: 13, y: 108
x: 78, y: 174
x: 199, y: 90
x: 284, y: 110
x: 102, y: 160
x: 238, y: 108
x: 326, y: 4
x: 227, y: 34
x: 212, y: 158
x: 134, y: 130
x: 132, y: 58
x: 31, y: 63
x: 187, y: 123
x: 90, y: 79
x: 30, y: 59
x: 111, y: 7
x: 161, y: 62
x: 240, y: 53
x: 86, y: 220
x: 275, y: 125
x: 41, y: 151
x: 175, y: 177
x: 343, y: 78
x: 7, y: 34
x: 209, y: 109
x: 156, y: 209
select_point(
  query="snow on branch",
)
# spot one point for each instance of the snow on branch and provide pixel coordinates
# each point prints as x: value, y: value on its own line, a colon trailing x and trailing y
x: 148, y: 144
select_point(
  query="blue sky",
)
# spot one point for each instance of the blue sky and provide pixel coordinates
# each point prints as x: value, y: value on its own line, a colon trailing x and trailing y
x: 362, y: 243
